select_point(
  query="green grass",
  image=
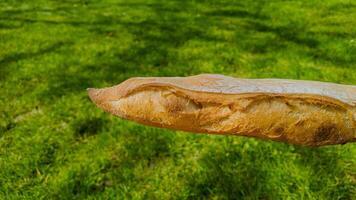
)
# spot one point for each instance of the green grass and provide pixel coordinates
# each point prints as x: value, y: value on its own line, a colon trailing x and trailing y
x: 55, y: 144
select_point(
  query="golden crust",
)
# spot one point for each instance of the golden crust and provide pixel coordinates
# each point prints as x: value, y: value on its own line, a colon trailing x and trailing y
x: 311, y: 117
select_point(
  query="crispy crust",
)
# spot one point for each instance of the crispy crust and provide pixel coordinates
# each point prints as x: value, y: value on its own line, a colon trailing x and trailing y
x: 298, y: 112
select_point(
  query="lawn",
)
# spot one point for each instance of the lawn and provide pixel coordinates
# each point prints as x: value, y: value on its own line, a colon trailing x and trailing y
x: 56, y: 144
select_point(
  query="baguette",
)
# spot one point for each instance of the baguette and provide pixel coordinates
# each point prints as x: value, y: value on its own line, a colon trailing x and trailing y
x: 305, y: 113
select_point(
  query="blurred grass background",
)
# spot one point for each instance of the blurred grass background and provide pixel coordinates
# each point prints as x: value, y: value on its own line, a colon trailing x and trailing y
x: 55, y: 144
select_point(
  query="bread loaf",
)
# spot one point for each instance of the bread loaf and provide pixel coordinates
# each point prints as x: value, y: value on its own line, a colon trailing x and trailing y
x: 305, y: 113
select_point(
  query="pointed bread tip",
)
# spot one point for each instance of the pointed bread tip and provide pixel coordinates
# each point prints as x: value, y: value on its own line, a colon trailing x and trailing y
x: 93, y: 94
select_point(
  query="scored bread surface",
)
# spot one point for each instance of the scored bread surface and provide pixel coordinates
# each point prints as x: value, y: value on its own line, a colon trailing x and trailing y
x: 298, y: 112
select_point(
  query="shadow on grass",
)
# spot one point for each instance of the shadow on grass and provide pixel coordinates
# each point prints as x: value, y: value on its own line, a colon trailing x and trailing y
x: 4, y: 26
x: 151, y: 53
x: 22, y: 56
x: 290, y: 33
x: 158, y: 36
x: 142, y: 149
x: 88, y: 126
x: 230, y: 174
